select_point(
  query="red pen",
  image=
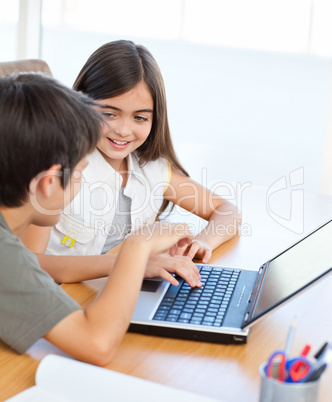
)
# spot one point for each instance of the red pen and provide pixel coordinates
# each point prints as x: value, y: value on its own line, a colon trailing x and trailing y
x: 306, y: 350
x: 299, y: 365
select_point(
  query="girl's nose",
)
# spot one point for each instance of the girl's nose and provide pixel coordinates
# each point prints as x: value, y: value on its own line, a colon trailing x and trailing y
x: 122, y: 128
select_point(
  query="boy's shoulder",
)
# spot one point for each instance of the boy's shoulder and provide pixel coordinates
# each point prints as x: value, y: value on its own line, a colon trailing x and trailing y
x: 12, y: 249
x: 31, y: 303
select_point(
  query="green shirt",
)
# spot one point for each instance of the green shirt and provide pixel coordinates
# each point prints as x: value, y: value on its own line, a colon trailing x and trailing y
x: 31, y: 303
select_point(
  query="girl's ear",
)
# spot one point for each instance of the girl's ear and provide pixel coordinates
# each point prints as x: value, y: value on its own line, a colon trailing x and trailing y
x: 46, y: 182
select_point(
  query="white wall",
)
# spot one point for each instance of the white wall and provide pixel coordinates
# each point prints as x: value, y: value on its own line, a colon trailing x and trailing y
x: 252, y: 114
x: 326, y: 184
x: 244, y: 115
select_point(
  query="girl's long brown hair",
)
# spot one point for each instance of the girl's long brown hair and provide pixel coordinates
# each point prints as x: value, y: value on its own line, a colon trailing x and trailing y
x: 117, y: 67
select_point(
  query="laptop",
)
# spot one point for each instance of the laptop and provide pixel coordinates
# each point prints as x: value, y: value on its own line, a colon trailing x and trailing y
x: 232, y: 300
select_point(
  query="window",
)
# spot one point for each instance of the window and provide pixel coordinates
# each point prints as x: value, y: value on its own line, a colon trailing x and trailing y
x: 8, y: 29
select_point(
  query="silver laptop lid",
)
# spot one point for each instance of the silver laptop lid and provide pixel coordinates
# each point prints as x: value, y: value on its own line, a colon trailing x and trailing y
x: 291, y: 272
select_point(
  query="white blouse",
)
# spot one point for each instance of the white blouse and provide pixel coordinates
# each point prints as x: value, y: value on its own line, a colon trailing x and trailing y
x: 85, y: 222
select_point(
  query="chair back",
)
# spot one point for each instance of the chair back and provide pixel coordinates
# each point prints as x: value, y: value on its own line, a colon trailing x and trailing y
x: 24, y: 66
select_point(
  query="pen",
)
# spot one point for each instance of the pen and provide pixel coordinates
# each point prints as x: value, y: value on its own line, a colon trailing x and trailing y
x: 299, y: 364
x: 306, y: 350
x: 290, y: 337
x: 321, y: 351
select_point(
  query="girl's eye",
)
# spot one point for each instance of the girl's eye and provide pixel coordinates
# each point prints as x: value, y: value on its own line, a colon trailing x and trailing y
x: 108, y: 114
x: 141, y: 118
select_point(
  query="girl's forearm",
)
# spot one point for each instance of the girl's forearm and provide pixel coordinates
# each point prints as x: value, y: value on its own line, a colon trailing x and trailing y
x: 223, y: 224
x: 67, y: 269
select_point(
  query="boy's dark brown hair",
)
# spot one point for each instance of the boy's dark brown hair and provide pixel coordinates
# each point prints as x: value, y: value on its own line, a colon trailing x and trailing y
x: 42, y: 123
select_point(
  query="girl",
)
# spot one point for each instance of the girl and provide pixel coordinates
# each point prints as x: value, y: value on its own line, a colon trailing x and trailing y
x: 134, y: 174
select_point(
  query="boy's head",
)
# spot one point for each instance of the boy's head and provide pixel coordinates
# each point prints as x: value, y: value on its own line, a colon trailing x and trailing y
x: 42, y: 124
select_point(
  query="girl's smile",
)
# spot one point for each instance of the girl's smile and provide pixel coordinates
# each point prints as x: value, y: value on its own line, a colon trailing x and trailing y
x: 118, y: 144
x: 128, y: 122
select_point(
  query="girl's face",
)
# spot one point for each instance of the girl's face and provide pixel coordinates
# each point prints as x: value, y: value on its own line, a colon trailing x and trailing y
x: 128, y: 124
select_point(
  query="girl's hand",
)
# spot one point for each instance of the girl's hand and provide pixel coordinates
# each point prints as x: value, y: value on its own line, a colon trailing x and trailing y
x: 198, y: 249
x: 164, y: 265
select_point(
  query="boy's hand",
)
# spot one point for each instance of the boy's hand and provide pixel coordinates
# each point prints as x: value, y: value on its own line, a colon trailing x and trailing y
x: 164, y: 265
x: 160, y: 237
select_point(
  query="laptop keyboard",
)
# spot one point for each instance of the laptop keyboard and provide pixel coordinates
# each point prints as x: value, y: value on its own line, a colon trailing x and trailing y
x: 206, y: 305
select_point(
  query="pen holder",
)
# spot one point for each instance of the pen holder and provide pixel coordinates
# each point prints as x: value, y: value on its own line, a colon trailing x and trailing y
x: 273, y: 390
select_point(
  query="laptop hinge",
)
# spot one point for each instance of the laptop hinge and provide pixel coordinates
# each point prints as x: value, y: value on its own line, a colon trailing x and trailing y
x: 252, y: 302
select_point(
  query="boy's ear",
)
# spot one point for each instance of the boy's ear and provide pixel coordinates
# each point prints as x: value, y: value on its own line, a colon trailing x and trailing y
x: 46, y: 181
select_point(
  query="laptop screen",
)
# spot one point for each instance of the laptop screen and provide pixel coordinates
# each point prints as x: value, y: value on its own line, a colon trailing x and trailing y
x: 295, y: 269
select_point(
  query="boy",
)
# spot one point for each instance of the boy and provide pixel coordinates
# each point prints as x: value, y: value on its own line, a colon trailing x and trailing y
x: 46, y: 131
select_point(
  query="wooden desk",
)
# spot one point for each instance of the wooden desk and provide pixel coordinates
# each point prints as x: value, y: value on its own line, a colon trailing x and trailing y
x: 229, y: 373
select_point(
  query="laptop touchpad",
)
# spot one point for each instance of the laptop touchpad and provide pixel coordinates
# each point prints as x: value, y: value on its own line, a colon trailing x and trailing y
x: 150, y: 285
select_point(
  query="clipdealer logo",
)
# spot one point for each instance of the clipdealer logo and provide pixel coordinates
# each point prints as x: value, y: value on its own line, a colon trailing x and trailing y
x: 295, y: 219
